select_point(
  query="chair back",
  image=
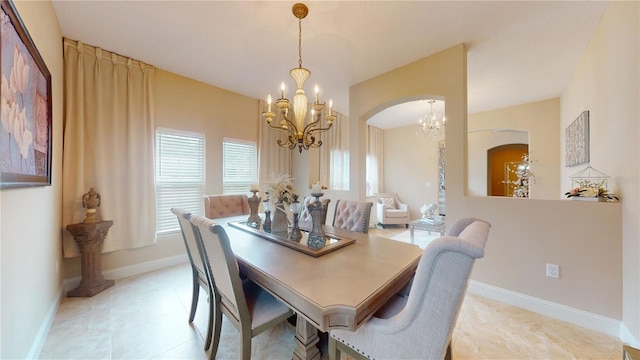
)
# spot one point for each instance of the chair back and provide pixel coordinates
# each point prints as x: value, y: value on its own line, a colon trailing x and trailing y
x: 304, y: 219
x: 352, y: 215
x: 220, y: 206
x: 420, y: 325
x: 222, y: 268
x: 438, y: 289
x: 191, y: 242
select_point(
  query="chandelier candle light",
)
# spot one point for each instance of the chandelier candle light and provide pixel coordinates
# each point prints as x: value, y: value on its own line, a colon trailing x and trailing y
x: 298, y: 134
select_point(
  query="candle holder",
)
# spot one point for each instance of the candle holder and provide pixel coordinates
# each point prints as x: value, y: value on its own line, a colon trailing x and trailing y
x: 317, y: 238
x: 267, y: 216
x: 254, y: 202
x: 295, y: 234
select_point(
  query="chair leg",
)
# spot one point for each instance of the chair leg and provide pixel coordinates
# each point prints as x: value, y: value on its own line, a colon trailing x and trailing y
x: 245, y: 346
x: 194, y: 297
x: 217, y: 325
x: 334, y: 353
x: 447, y: 355
x: 210, y: 325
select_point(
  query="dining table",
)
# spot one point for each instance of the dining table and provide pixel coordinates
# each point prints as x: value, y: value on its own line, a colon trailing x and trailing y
x: 339, y: 286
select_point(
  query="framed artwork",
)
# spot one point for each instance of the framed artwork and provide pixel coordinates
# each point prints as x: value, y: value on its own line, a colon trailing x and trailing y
x: 577, y: 141
x: 25, y: 135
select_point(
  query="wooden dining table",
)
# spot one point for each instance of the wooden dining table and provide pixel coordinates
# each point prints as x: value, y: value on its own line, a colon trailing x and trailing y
x: 339, y: 289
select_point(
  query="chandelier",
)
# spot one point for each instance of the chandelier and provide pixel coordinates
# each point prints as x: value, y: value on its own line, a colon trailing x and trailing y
x: 298, y: 133
x: 430, y: 123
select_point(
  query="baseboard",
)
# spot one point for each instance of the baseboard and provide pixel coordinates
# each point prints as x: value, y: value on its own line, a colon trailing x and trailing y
x: 126, y: 271
x: 571, y: 315
x: 41, y: 336
x: 627, y: 337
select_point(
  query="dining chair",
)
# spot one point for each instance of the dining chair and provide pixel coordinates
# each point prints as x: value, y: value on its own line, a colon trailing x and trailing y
x: 220, y: 206
x: 199, y: 277
x: 247, y: 306
x: 352, y: 215
x: 420, y: 324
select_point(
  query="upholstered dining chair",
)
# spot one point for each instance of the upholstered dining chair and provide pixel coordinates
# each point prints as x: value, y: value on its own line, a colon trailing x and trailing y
x: 352, y: 215
x: 247, y: 306
x: 192, y: 243
x: 304, y: 219
x: 220, y: 206
x: 420, y: 324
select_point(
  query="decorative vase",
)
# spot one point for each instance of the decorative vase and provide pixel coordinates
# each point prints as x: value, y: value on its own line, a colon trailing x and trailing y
x: 279, y: 223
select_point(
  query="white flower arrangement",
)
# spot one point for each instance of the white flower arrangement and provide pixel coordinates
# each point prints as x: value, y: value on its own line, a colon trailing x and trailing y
x: 280, y: 189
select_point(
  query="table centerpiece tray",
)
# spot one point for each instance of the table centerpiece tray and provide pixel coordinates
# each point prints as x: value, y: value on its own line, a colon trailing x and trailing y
x: 334, y: 241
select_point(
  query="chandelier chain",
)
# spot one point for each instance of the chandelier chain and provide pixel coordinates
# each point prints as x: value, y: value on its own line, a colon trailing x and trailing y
x: 299, y: 42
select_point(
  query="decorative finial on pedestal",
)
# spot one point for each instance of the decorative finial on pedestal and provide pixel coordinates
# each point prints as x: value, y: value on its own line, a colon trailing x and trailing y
x: 91, y: 201
x: 317, y: 238
x: 295, y: 234
x: 254, y: 202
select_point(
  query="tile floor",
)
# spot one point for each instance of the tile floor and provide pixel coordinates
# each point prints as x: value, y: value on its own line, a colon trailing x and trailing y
x: 145, y: 317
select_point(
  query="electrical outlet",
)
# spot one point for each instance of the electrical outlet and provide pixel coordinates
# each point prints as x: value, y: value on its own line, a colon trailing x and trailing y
x: 553, y: 271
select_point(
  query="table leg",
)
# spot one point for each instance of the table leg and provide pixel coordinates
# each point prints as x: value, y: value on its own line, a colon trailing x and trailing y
x: 306, y: 340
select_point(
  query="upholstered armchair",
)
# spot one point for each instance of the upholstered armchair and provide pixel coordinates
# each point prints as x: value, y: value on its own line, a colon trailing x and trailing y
x: 419, y: 325
x: 390, y: 211
x: 220, y: 206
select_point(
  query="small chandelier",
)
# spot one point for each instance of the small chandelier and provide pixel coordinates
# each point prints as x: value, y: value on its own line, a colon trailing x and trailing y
x: 430, y: 122
x: 298, y: 134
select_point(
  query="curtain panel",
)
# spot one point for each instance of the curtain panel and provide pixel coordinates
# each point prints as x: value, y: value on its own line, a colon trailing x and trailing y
x: 334, y: 154
x: 108, y: 144
x: 273, y: 159
x: 375, y: 158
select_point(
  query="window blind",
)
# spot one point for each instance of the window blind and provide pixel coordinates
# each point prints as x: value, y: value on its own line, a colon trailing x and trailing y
x: 180, y: 176
x: 240, y: 166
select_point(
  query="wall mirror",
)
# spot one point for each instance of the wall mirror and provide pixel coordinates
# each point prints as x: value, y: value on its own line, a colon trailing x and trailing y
x: 494, y: 155
x: 507, y: 134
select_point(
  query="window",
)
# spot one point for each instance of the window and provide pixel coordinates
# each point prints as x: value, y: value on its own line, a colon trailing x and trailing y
x: 180, y: 176
x: 240, y: 168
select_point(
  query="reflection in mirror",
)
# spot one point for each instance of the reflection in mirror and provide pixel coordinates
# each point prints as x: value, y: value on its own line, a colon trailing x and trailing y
x: 491, y: 153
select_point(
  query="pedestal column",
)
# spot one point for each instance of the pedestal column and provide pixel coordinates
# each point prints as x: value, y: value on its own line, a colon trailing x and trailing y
x: 90, y: 238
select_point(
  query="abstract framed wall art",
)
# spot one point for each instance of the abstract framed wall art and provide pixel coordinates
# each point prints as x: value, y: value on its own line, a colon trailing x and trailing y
x: 577, y: 140
x: 25, y: 96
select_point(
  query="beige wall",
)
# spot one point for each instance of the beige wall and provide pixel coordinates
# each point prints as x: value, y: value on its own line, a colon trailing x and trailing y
x: 188, y: 105
x: 410, y: 162
x: 30, y: 242
x: 606, y: 82
x: 583, y: 238
x: 541, y: 120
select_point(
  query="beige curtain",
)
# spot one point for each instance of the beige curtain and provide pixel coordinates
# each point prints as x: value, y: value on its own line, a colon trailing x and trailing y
x: 334, y: 155
x: 375, y: 160
x: 108, y: 144
x: 273, y: 159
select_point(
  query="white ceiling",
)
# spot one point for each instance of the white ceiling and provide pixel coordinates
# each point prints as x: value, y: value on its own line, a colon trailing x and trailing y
x: 518, y: 51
